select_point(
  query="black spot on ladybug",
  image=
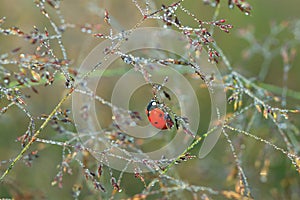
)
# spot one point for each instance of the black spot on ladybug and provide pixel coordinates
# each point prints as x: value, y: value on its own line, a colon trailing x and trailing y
x: 155, y: 122
x: 160, y: 115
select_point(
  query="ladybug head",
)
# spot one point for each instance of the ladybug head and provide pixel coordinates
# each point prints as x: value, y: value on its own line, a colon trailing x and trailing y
x: 152, y: 104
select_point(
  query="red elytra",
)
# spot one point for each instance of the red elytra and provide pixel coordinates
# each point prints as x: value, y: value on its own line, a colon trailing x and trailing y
x: 157, y: 117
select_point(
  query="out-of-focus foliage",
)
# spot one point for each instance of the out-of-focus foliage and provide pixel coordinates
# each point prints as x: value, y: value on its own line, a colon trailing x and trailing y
x: 255, y: 46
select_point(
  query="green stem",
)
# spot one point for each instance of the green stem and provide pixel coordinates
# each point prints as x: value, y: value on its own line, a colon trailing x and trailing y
x: 103, y: 73
x: 37, y: 133
x: 189, y: 148
x: 216, y: 14
x: 278, y: 90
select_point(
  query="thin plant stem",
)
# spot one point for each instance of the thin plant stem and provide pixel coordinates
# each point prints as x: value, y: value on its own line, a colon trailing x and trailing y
x: 36, y: 134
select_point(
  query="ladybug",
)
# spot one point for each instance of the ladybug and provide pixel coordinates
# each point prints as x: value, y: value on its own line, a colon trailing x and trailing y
x: 157, y: 117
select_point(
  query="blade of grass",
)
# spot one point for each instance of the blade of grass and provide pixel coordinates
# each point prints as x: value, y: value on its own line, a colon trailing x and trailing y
x: 278, y: 90
x: 36, y: 134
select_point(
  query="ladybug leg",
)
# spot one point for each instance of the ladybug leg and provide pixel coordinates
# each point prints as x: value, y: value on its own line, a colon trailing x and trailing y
x: 176, y: 123
x: 169, y: 121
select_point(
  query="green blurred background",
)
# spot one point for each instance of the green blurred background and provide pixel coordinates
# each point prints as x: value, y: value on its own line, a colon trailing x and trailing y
x: 211, y: 171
